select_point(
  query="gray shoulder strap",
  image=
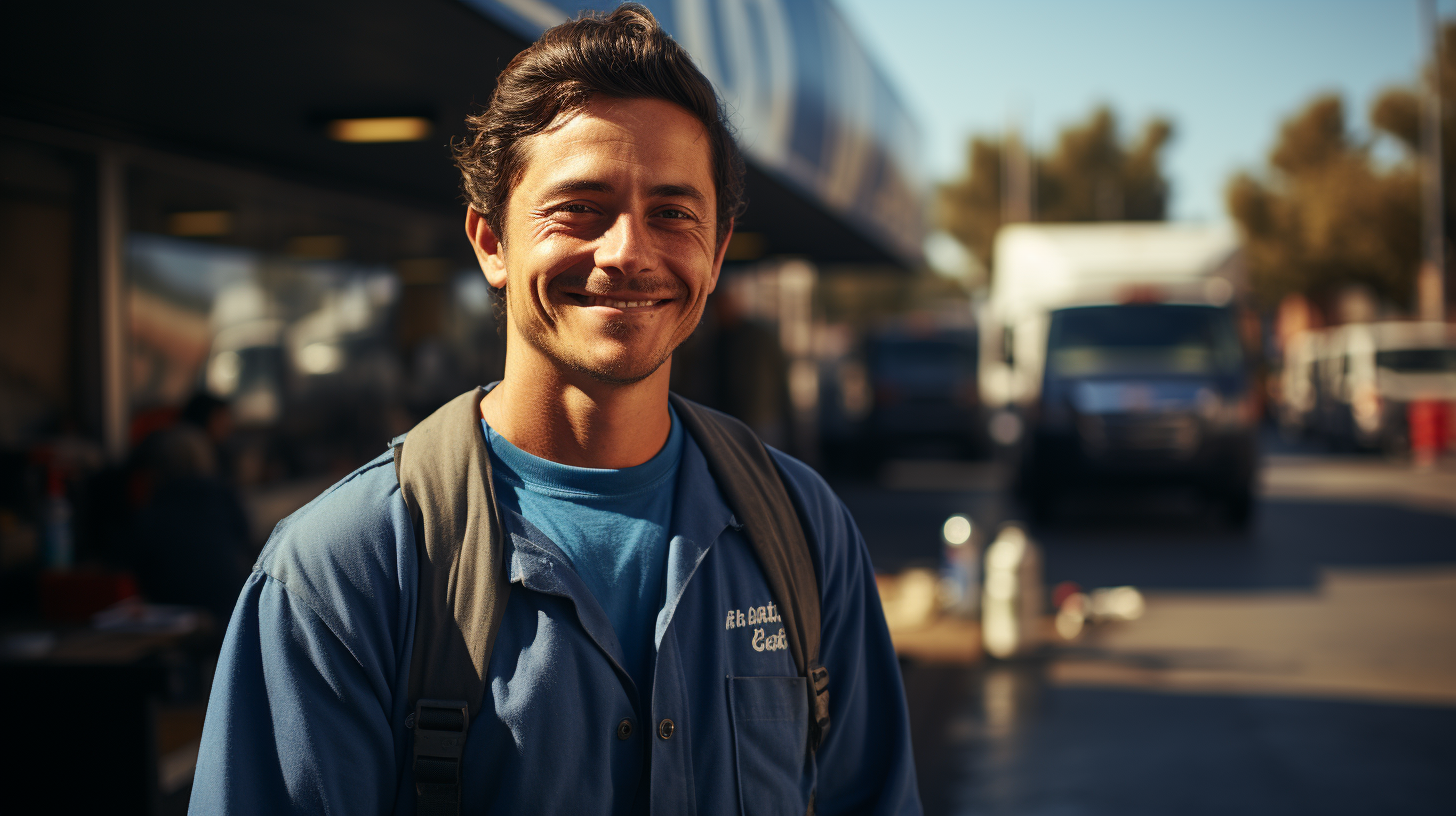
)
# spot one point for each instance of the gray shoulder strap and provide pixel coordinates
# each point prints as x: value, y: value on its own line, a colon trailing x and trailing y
x: 754, y: 489
x: 444, y: 475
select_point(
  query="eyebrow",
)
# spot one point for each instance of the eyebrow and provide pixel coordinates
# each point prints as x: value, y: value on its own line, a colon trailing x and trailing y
x: 660, y: 191
x: 578, y: 186
x: 678, y: 191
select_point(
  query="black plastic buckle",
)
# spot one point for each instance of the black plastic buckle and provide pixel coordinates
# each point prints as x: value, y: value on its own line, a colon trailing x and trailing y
x: 440, y: 727
x: 819, y: 699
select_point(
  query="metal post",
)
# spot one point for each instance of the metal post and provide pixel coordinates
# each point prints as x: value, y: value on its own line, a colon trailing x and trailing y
x: 1011, y: 604
x: 796, y: 335
x: 1017, y: 194
x: 1430, y: 281
x: 1008, y: 177
x: 111, y: 196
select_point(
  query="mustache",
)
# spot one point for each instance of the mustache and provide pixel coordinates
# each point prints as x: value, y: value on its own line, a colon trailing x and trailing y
x: 655, y: 286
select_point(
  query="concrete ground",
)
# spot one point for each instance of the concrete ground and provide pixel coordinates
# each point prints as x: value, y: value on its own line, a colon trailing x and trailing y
x: 1306, y: 666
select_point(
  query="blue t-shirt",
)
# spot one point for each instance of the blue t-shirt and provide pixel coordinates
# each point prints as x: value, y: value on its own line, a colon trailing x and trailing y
x: 611, y: 524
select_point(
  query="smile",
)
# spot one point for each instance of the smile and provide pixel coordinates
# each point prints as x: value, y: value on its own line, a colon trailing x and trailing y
x: 599, y: 300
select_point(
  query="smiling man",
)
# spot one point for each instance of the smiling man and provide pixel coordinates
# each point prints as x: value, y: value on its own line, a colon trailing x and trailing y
x: 606, y: 250
x: 572, y: 592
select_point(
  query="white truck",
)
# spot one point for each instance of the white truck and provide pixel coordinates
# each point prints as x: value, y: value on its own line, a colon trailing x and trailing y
x: 1110, y: 354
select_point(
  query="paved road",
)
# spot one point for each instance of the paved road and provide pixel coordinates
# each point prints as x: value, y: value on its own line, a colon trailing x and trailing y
x: 1307, y: 666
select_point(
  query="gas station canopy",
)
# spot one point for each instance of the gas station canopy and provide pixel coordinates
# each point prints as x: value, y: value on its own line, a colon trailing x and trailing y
x: 265, y: 85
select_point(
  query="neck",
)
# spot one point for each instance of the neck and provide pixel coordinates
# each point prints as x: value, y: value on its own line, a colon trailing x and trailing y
x: 572, y: 419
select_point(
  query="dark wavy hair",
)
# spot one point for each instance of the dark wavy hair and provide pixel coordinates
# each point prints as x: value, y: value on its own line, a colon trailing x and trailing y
x: 625, y: 55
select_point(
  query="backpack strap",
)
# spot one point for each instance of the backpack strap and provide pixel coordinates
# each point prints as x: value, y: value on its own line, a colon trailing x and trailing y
x: 444, y: 473
x: 748, y: 479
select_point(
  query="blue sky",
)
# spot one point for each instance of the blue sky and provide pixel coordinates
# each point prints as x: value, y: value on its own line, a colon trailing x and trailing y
x: 1226, y: 72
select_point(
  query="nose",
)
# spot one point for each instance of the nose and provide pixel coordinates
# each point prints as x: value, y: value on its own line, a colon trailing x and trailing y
x: 626, y: 246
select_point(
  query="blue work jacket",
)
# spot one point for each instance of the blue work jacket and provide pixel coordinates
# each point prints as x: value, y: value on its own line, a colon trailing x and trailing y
x: 308, y: 706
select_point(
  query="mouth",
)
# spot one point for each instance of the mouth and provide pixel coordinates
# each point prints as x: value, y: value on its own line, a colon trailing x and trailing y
x: 616, y: 303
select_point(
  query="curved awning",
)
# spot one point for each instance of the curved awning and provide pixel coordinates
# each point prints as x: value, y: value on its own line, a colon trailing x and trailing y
x: 813, y: 112
x: 831, y: 149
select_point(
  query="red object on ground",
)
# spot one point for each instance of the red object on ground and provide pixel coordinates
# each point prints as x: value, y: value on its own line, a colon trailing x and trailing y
x: 74, y: 596
x: 1430, y: 431
x: 1062, y: 592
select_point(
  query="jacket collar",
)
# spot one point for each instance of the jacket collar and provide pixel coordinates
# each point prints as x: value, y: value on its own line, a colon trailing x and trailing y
x: 537, y: 564
x: 698, y: 519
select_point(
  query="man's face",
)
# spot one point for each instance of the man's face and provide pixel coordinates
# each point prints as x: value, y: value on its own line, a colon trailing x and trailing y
x: 610, y: 250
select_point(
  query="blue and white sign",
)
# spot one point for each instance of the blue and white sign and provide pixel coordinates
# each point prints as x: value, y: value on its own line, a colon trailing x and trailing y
x: 809, y: 105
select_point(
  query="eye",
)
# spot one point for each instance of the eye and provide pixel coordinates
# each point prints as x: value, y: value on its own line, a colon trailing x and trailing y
x: 675, y: 213
x: 576, y: 207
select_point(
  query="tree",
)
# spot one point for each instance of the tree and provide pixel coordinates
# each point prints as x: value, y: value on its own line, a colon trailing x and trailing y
x: 970, y: 209
x: 1326, y: 214
x: 1092, y: 175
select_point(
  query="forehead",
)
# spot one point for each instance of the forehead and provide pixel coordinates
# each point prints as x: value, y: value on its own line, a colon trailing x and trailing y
x: 620, y: 141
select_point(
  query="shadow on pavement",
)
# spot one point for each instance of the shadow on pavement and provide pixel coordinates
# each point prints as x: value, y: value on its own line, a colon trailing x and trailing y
x: 1289, y: 543
x: 1031, y: 749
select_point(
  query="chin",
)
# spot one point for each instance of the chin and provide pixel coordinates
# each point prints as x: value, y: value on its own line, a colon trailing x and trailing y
x: 619, y: 371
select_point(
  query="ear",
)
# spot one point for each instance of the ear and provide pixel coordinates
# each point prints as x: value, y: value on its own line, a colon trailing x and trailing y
x: 719, y: 256
x: 489, y: 250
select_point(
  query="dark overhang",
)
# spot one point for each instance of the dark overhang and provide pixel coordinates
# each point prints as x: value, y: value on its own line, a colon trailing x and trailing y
x: 258, y: 84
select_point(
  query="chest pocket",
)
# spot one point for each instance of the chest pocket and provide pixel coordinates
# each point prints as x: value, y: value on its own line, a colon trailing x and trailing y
x: 770, y: 741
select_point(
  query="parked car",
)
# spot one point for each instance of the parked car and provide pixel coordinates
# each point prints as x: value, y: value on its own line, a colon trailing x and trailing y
x: 923, y: 391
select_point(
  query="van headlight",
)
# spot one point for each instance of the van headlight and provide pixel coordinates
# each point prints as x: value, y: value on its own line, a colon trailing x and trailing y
x: 1225, y: 411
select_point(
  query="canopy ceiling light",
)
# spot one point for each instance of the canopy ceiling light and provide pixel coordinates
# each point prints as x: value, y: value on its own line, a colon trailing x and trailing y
x: 380, y: 129
x: 200, y: 223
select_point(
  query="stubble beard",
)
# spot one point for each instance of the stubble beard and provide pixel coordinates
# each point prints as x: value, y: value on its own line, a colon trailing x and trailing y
x: 618, y: 371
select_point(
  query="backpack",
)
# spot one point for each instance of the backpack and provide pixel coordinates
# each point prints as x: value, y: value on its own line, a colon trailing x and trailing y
x: 444, y: 472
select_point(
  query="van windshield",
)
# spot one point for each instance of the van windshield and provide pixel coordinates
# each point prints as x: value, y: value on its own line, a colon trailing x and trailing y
x: 1418, y: 360
x: 1142, y: 339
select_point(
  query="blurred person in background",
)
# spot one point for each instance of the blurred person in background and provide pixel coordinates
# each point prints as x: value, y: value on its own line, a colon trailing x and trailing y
x: 603, y: 183
x: 188, y: 539
x: 742, y: 368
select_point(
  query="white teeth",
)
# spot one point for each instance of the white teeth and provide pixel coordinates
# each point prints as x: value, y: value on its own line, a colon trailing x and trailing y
x: 627, y: 304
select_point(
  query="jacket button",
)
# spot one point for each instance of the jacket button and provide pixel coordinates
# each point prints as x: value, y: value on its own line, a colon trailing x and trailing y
x: 624, y: 729
x: 664, y: 729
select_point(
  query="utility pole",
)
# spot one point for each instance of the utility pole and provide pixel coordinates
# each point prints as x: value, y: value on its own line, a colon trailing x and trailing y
x: 1430, y: 281
x: 1018, y: 182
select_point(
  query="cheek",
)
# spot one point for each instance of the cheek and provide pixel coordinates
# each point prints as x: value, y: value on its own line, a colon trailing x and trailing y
x: 535, y: 270
x: 698, y: 273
